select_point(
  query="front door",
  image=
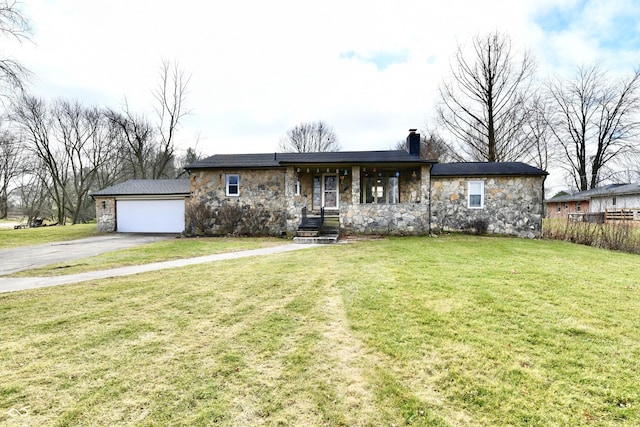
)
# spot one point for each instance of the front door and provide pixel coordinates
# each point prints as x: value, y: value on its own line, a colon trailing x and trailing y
x: 330, y: 191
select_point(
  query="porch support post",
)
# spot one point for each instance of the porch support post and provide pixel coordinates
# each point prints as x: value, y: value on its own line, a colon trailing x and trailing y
x: 425, y: 184
x: 289, y: 194
x: 425, y: 189
x: 355, y: 185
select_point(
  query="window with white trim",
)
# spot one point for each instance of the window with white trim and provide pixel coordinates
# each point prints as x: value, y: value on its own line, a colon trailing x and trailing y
x: 233, y: 185
x: 475, y: 194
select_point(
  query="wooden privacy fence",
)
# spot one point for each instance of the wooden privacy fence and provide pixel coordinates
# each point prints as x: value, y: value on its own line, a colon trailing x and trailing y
x: 632, y: 214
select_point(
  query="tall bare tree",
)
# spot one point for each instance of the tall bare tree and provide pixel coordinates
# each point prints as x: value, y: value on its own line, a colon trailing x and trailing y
x: 310, y: 137
x: 595, y: 122
x: 149, y: 148
x: 13, y: 163
x: 136, y: 138
x: 13, y: 24
x: 71, y: 142
x: 485, y: 105
x: 170, y: 109
x: 542, y: 148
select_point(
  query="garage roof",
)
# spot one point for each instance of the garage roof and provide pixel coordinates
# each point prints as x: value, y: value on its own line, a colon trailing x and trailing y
x: 147, y: 187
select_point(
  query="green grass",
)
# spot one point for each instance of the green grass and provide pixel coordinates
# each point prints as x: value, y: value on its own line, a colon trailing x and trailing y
x: 10, y: 238
x: 153, y: 252
x: 415, y: 331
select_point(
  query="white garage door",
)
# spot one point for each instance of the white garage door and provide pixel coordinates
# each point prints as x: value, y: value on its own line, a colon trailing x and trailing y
x: 150, y: 216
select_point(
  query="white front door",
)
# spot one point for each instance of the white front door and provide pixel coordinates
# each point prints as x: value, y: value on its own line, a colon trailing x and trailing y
x: 330, y: 195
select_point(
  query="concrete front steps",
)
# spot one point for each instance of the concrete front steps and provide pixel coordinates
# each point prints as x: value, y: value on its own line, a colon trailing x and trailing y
x: 328, y: 233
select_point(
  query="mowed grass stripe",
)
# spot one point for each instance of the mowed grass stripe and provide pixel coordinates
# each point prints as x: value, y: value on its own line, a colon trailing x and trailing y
x: 450, y: 331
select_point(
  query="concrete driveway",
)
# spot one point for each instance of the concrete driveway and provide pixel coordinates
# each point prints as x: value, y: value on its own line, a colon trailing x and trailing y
x: 27, y: 257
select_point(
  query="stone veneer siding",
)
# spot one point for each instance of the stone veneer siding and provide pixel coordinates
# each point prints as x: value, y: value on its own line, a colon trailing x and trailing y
x: 268, y: 190
x: 513, y: 204
x: 105, y: 216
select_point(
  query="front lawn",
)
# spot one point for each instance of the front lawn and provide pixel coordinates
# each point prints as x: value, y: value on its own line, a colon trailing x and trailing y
x: 457, y: 330
x: 10, y: 238
x: 164, y: 250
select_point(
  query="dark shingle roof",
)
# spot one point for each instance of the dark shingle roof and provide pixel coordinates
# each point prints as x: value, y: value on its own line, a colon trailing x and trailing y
x: 280, y: 159
x: 607, y: 190
x: 137, y: 187
x: 485, y: 168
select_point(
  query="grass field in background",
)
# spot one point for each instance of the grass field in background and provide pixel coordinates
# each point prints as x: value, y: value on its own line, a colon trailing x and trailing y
x: 10, y: 238
x: 457, y: 330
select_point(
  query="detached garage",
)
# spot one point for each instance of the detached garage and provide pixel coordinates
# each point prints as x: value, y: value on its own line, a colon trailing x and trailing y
x: 143, y: 206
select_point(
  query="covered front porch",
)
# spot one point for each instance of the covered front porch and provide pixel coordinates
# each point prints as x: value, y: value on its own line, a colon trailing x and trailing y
x: 362, y: 198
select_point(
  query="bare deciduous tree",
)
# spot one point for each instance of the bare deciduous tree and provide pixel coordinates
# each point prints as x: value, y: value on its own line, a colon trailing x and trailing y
x: 542, y: 149
x: 595, y: 122
x: 485, y: 105
x: 149, y: 149
x: 170, y: 108
x: 72, y: 143
x: 13, y: 163
x: 12, y: 24
x: 136, y: 139
x: 310, y: 137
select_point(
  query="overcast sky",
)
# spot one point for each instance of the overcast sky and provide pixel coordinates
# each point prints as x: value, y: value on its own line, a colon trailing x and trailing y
x: 368, y: 68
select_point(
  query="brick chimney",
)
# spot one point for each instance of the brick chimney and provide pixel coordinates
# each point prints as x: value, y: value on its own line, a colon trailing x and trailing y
x: 413, y: 142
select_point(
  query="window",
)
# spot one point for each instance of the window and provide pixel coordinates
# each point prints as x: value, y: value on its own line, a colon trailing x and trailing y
x: 380, y: 188
x: 475, y: 194
x: 559, y: 206
x: 577, y: 206
x: 297, y: 185
x: 566, y: 205
x: 614, y: 200
x: 233, y: 185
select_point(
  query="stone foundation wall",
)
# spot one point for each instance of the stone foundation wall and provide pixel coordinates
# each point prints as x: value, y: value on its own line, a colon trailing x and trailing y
x: 513, y: 205
x: 105, y: 214
x: 401, y: 219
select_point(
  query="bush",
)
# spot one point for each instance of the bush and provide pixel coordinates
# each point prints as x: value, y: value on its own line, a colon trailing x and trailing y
x: 619, y: 236
x: 199, y: 218
x: 228, y: 218
x: 477, y: 226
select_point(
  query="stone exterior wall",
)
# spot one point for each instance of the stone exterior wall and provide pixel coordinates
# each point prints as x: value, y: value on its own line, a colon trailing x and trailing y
x: 267, y: 191
x: 105, y: 214
x: 513, y: 205
x: 400, y: 219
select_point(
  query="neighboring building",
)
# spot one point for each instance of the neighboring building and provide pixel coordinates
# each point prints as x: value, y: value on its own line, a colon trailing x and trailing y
x: 610, y: 202
x: 568, y: 205
x: 142, y: 206
x: 371, y: 192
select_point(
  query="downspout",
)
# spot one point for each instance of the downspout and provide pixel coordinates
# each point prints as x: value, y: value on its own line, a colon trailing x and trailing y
x: 429, y: 207
x: 542, y: 211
